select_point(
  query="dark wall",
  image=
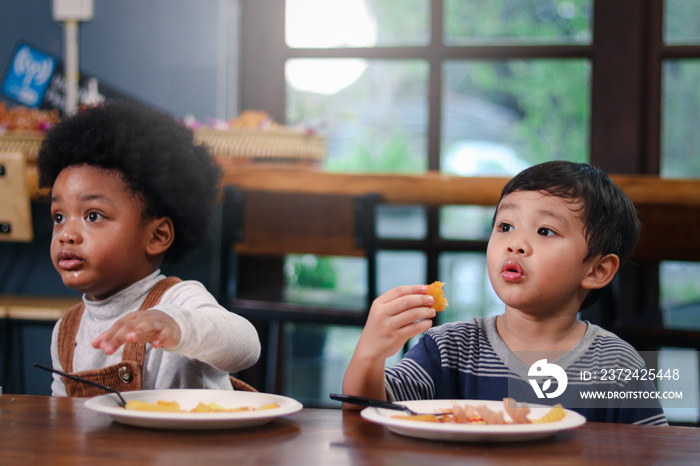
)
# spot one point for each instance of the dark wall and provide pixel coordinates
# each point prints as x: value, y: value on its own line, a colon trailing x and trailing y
x: 179, y: 55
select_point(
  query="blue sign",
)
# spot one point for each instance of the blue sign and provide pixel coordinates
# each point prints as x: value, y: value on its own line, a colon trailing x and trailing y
x: 29, y: 75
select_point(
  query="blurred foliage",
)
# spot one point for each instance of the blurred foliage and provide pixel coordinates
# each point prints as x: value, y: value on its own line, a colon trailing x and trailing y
x: 561, y: 21
x: 310, y: 271
x: 681, y: 106
x: 413, y: 27
x: 551, y: 98
x: 680, y: 99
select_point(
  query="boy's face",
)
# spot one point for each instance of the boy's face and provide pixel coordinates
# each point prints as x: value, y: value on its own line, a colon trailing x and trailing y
x: 535, y: 256
x: 99, y: 238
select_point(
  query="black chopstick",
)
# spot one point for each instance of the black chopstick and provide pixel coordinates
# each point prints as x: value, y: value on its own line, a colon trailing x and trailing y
x: 80, y: 379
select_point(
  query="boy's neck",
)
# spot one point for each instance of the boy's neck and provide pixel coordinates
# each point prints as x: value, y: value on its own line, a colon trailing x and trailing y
x: 524, y: 334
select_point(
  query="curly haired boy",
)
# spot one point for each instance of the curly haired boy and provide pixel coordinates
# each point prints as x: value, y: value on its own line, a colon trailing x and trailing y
x: 130, y: 189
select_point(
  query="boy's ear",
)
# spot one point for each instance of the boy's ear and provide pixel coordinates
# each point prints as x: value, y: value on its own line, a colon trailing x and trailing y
x: 162, y: 236
x: 602, y: 272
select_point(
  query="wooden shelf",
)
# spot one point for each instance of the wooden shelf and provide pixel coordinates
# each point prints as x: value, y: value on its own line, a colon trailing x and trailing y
x: 35, y: 308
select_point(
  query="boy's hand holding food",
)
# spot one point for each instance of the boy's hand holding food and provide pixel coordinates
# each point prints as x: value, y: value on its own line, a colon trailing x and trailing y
x: 395, y: 317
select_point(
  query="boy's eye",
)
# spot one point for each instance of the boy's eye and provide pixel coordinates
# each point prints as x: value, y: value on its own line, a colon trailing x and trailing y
x: 543, y: 231
x: 505, y: 227
x: 94, y: 217
x: 57, y: 218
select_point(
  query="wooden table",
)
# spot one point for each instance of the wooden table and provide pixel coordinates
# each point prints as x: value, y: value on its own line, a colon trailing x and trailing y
x: 46, y: 430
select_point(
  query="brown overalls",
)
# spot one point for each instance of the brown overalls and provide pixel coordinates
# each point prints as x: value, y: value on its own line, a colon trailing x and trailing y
x: 124, y: 376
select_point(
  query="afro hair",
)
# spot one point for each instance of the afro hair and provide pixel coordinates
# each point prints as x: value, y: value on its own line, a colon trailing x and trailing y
x: 156, y: 156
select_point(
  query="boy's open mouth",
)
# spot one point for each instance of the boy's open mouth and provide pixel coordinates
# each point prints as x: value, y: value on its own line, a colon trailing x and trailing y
x: 512, y: 271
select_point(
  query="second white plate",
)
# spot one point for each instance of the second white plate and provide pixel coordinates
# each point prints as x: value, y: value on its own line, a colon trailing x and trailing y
x: 471, y: 432
x: 188, y: 399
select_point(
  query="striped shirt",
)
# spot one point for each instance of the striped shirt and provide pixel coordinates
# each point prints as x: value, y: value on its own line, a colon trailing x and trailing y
x: 469, y: 360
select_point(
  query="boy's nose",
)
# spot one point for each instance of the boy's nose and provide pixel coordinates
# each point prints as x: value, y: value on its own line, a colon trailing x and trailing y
x: 69, y: 235
x: 516, y: 250
x: 518, y: 245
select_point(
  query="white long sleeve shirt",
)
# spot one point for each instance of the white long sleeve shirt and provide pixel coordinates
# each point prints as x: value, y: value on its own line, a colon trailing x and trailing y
x: 213, y: 342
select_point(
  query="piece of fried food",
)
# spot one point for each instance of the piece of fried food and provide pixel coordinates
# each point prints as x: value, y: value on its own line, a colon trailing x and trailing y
x: 553, y: 415
x: 272, y: 405
x: 174, y: 407
x: 217, y: 408
x: 161, y: 406
x: 417, y: 417
x: 435, y: 290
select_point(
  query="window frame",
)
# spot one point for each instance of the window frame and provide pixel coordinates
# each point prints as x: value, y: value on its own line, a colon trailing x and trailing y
x: 626, y: 56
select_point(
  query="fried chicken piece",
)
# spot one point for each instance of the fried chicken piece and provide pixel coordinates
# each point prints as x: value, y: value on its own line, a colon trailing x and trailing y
x: 435, y: 290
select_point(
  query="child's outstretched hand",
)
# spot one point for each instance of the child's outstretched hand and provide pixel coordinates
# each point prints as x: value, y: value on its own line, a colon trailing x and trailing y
x: 150, y: 326
x: 395, y: 317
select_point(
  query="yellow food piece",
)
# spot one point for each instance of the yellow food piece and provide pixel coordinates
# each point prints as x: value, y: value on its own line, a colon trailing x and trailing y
x: 553, y: 415
x: 272, y: 405
x: 418, y: 417
x: 435, y: 290
x: 163, y: 406
x: 217, y: 408
x: 174, y: 407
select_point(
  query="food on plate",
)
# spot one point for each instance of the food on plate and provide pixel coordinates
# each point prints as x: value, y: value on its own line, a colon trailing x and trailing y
x: 465, y: 413
x: 481, y: 414
x: 417, y: 417
x: 161, y: 406
x: 174, y: 407
x: 435, y: 290
x: 217, y: 408
x: 555, y: 414
x: 490, y: 416
x: 518, y: 413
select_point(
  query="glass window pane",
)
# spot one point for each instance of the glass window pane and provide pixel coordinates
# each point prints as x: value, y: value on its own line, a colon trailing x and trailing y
x: 679, y: 294
x: 518, y: 21
x: 396, y: 268
x: 373, y: 113
x: 467, y: 287
x: 326, y: 280
x: 316, y: 361
x: 686, y: 361
x: 681, y: 22
x: 502, y: 116
x: 466, y: 222
x: 401, y: 222
x: 680, y: 112
x: 357, y: 23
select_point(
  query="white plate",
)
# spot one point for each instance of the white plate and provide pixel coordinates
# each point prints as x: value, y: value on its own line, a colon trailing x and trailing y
x: 188, y: 399
x: 471, y: 432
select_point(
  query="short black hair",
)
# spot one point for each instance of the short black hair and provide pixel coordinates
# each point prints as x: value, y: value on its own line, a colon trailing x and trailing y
x: 156, y: 156
x: 611, y: 225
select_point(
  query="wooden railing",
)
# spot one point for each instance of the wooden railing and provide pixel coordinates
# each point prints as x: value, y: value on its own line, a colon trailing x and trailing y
x: 666, y: 207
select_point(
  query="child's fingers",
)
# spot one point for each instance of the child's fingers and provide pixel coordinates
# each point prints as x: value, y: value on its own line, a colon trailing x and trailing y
x: 402, y: 303
x: 400, y: 291
x: 415, y: 328
x: 140, y: 327
x: 413, y: 315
